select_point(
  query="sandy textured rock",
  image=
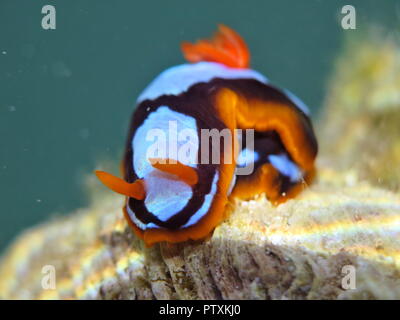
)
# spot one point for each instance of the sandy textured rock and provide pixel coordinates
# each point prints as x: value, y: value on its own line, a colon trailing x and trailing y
x: 349, y: 217
x: 361, y: 118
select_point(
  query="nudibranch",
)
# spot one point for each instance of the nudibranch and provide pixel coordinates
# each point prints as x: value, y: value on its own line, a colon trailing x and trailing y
x: 175, y: 189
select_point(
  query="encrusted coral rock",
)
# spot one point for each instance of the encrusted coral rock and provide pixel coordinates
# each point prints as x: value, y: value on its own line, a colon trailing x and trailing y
x: 294, y: 251
x: 340, y: 239
x: 362, y: 113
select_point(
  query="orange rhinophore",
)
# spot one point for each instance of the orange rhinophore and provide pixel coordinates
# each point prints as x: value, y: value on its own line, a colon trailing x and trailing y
x: 183, y: 172
x: 134, y: 190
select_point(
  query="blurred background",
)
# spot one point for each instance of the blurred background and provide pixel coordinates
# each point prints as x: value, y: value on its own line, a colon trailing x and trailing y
x: 66, y: 95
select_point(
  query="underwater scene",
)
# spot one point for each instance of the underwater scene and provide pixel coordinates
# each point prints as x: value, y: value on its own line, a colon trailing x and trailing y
x: 200, y: 150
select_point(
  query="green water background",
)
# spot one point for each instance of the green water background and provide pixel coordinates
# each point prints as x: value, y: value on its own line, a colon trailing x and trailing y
x: 66, y: 95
